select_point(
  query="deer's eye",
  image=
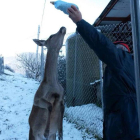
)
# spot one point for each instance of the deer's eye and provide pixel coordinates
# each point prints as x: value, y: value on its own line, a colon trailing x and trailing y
x: 51, y: 36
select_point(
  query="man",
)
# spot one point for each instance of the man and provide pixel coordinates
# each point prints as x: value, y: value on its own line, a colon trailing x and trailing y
x: 119, y: 91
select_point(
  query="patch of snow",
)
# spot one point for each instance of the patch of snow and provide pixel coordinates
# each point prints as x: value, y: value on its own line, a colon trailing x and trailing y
x: 88, y: 116
x: 16, y: 100
x: 96, y: 81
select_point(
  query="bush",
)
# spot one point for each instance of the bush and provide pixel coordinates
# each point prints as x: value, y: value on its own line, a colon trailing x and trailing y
x: 62, y: 71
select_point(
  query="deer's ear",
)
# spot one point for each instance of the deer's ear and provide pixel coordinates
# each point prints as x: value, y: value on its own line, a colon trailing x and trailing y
x: 39, y: 42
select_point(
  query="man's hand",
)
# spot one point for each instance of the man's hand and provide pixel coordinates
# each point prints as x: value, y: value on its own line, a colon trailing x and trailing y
x: 74, y: 14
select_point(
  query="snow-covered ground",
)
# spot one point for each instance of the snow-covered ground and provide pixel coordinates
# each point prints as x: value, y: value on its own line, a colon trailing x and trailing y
x: 16, y: 99
x: 89, y: 117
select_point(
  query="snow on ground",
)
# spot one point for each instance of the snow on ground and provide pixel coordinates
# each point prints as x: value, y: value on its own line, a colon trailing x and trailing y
x: 16, y: 99
x: 88, y: 116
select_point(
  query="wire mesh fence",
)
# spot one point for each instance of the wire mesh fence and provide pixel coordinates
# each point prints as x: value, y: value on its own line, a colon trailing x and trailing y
x: 118, y: 32
x: 83, y: 78
x: 83, y: 95
x: 1, y: 65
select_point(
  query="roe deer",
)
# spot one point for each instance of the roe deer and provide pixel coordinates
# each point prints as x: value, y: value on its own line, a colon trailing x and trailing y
x: 46, y: 118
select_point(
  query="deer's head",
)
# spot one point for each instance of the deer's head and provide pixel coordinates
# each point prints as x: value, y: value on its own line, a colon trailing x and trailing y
x: 54, y: 42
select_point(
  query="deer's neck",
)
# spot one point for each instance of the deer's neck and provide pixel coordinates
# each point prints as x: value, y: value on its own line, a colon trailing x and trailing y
x: 50, y: 75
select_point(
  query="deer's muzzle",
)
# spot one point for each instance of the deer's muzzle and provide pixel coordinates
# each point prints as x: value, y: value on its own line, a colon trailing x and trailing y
x: 62, y: 30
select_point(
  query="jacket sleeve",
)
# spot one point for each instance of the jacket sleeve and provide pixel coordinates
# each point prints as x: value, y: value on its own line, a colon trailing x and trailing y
x: 102, y: 46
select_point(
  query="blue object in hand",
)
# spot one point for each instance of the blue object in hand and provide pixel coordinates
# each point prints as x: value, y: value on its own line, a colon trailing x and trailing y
x: 63, y: 6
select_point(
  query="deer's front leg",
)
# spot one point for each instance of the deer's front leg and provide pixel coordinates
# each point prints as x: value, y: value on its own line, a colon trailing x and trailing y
x: 60, y: 124
x: 48, y: 124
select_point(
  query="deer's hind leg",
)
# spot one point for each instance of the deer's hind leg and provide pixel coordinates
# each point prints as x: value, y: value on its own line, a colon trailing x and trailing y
x: 39, y: 119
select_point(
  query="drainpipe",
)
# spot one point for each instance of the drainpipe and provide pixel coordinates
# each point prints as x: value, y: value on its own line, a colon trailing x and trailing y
x: 135, y: 19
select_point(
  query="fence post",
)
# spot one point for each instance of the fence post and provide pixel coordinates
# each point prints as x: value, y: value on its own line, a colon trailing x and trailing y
x: 42, y: 63
x: 37, y: 51
x: 101, y: 81
x: 2, y: 64
x: 75, y: 65
x: 135, y: 17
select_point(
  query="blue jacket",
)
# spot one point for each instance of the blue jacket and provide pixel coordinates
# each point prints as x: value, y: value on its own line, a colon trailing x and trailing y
x: 119, y: 91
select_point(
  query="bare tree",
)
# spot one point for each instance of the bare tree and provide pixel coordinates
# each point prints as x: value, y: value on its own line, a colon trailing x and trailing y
x: 29, y: 64
x: 33, y: 69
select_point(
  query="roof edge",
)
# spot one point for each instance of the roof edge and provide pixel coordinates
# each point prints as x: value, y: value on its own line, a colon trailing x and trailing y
x: 107, y: 9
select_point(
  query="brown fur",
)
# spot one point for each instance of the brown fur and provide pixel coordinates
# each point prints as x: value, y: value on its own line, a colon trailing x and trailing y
x: 46, y: 118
